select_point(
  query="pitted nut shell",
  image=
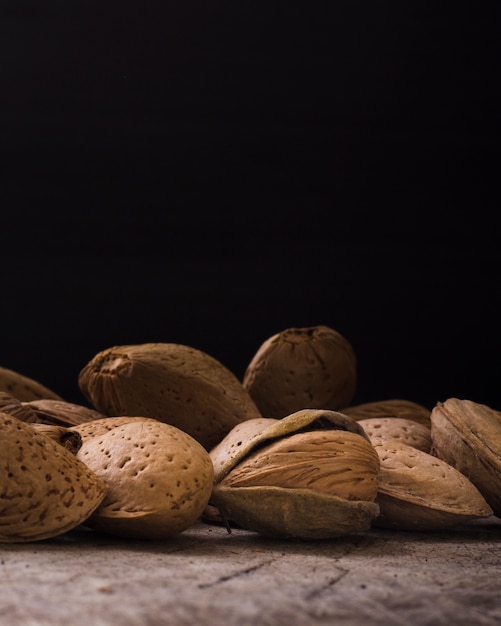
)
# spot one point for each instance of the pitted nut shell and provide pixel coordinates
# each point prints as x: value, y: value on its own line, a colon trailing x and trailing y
x: 61, y: 413
x: 418, y: 491
x: 297, y: 368
x: 159, y: 478
x: 45, y: 490
x: 23, y: 387
x: 173, y: 383
x: 381, y: 429
x: 404, y: 409
x: 467, y: 435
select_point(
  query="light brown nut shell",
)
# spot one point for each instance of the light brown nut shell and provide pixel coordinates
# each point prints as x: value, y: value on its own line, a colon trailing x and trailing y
x: 297, y: 368
x: 282, y: 458
x: 467, y: 435
x: 61, y: 413
x: 173, y: 383
x: 103, y: 425
x: 418, y: 491
x: 381, y: 429
x: 394, y: 407
x: 235, y: 447
x: 72, y: 441
x: 299, y: 514
x: 332, y: 462
x: 159, y: 478
x: 20, y: 410
x: 23, y: 387
x: 45, y: 490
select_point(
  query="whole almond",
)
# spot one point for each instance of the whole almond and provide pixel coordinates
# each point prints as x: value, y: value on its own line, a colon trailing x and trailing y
x: 23, y: 387
x: 404, y: 409
x: 45, y: 490
x: 12, y: 406
x: 102, y: 425
x: 61, y: 413
x: 298, y: 368
x: 173, y: 383
x: 159, y: 478
x: 418, y: 491
x: 381, y: 429
x: 467, y: 435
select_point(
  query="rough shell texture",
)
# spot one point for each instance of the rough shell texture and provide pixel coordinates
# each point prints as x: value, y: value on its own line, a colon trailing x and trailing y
x: 380, y: 429
x: 235, y: 446
x: 418, y: 491
x: 299, y: 514
x: 72, y: 441
x: 159, y: 479
x: 467, y: 435
x: 24, y: 388
x: 104, y: 425
x: 405, y: 409
x: 62, y: 413
x: 12, y: 406
x: 172, y: 383
x: 298, y: 368
x: 334, y: 462
x: 44, y: 489
x: 267, y: 483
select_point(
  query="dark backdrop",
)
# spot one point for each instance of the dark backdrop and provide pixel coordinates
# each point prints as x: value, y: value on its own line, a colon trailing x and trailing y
x: 210, y: 173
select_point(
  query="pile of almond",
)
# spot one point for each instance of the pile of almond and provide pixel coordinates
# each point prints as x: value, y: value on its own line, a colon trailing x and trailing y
x: 169, y: 436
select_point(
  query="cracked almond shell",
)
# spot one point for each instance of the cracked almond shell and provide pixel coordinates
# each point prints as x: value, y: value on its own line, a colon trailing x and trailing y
x: 173, y: 383
x: 467, y: 435
x: 418, y: 491
x: 297, y: 368
x: 296, y: 477
x: 45, y: 490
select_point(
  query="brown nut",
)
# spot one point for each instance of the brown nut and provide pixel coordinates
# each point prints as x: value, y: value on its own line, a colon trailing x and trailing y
x: 298, y: 368
x: 418, y: 491
x: 24, y: 388
x: 159, y: 478
x: 61, y: 413
x: 404, y: 409
x: 381, y: 429
x: 45, y: 490
x: 467, y: 435
x: 311, y: 475
x: 172, y: 383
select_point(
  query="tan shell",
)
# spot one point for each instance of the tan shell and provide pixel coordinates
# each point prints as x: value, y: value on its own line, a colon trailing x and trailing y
x: 467, y: 435
x: 267, y: 482
x: 20, y: 410
x: 172, y: 383
x: 45, y: 490
x: 103, y: 425
x: 381, y: 429
x: 61, y: 413
x: 24, y: 388
x: 72, y: 441
x: 418, y: 491
x: 298, y: 368
x: 159, y: 479
x: 405, y: 409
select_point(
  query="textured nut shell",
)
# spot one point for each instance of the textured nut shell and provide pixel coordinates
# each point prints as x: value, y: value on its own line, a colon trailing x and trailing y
x: 62, y: 413
x: 12, y: 406
x: 297, y: 368
x: 61, y: 435
x: 381, y: 429
x: 24, y: 388
x: 418, y: 491
x: 299, y: 514
x: 44, y: 489
x: 104, y: 425
x: 159, y: 478
x: 405, y: 409
x: 467, y: 435
x: 172, y: 383
x: 233, y: 449
x: 333, y: 462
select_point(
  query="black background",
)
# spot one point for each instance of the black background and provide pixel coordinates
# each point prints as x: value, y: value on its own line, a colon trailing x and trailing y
x: 211, y: 173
